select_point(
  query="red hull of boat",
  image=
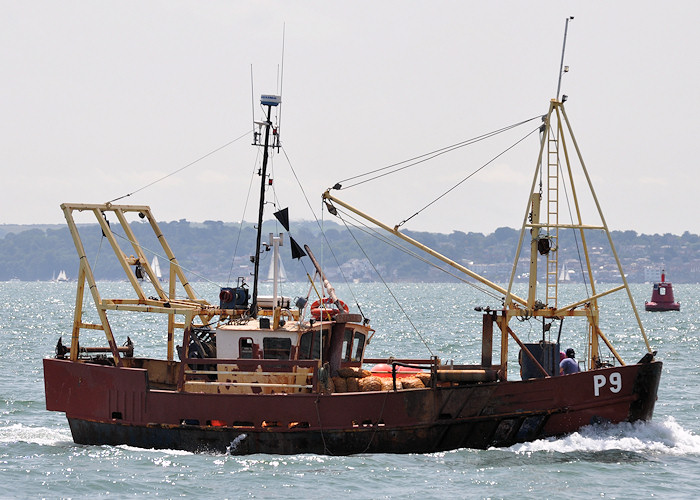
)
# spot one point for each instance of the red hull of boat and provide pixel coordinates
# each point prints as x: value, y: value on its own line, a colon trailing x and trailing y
x: 662, y: 306
x: 109, y: 405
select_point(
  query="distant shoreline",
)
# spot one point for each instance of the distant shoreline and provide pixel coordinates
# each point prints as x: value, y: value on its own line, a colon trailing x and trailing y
x: 38, y: 252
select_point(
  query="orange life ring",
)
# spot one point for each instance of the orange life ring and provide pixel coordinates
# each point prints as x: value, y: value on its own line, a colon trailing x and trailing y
x: 319, y: 308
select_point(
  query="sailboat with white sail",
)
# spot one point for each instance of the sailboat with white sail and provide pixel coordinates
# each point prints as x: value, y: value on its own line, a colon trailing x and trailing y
x: 282, y: 274
x: 155, y: 265
x: 564, y: 274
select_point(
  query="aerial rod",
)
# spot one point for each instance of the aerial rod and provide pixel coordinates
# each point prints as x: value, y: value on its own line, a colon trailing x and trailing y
x: 562, y: 70
x: 281, y: 81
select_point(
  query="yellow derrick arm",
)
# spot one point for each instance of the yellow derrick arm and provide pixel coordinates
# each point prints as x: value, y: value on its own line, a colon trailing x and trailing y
x: 562, y: 311
x: 328, y: 196
x: 189, y: 307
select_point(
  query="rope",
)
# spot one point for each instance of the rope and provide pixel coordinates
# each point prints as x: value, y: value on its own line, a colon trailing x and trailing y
x: 320, y: 425
x: 182, y: 168
x: 376, y: 425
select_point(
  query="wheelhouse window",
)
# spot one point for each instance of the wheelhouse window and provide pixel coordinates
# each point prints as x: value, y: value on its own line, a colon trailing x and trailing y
x: 245, y: 348
x: 353, y: 341
x: 359, y: 346
x: 277, y: 348
x: 310, y: 345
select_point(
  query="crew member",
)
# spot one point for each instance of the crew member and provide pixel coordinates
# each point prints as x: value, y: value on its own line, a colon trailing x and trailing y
x: 569, y: 364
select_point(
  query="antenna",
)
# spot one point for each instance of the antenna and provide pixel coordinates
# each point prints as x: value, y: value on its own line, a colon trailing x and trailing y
x: 284, y: 27
x: 281, y: 80
x: 563, y: 69
x: 252, y: 103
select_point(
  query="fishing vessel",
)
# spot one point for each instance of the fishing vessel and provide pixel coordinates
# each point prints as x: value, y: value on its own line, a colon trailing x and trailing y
x: 252, y: 374
x: 662, y: 296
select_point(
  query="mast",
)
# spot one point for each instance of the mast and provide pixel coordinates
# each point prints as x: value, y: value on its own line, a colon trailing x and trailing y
x: 269, y: 101
x: 563, y: 69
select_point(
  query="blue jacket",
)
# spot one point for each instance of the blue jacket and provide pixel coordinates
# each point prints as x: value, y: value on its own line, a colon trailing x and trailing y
x: 568, y: 366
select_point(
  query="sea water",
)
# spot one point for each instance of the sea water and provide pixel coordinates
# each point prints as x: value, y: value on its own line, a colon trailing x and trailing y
x: 656, y: 459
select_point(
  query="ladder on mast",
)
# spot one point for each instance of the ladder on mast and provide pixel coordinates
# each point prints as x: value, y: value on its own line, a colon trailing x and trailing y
x: 552, y: 218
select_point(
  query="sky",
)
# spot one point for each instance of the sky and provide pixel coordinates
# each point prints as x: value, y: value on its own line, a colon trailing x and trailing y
x: 101, y: 99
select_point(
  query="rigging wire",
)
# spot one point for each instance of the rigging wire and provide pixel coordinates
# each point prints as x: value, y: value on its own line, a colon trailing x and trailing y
x: 421, y: 159
x: 164, y: 257
x: 468, y: 177
x: 375, y: 234
x: 182, y: 168
x: 97, y: 256
x: 430, y: 155
x: 578, y: 248
x: 357, y: 302
x: 240, y: 224
x: 415, y: 160
x: 398, y: 303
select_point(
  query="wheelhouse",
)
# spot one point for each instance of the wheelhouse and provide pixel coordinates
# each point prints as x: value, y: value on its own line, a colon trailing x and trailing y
x: 294, y: 341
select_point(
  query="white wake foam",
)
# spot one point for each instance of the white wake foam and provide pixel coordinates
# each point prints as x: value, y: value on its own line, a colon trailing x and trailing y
x: 666, y: 437
x: 157, y: 451
x: 46, y: 436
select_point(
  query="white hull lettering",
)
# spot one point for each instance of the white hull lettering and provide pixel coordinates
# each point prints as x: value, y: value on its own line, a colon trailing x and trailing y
x: 615, y: 382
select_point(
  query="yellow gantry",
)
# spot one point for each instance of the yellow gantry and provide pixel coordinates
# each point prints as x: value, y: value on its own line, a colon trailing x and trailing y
x: 166, y: 302
x: 554, y: 163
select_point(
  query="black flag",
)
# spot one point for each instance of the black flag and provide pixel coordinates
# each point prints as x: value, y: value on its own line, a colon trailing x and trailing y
x: 297, y: 252
x: 283, y: 217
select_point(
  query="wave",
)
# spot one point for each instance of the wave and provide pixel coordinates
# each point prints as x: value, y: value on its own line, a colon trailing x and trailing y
x: 55, y: 436
x: 46, y: 436
x: 159, y: 451
x: 666, y: 438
